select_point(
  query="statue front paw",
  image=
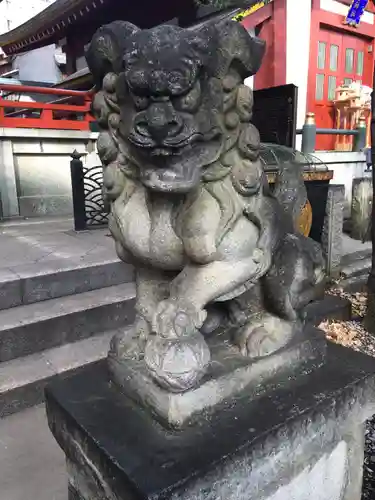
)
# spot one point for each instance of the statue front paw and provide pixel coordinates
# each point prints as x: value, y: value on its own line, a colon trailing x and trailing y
x: 177, y: 356
x: 130, y: 343
x: 174, y: 319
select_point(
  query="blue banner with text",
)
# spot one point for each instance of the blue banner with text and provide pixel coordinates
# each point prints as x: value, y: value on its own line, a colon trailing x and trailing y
x: 355, y: 12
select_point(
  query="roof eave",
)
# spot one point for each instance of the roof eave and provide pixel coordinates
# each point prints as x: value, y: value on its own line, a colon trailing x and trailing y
x: 48, y: 26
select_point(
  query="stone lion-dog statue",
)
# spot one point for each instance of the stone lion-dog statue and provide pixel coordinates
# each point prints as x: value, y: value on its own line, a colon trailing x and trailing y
x: 191, y: 207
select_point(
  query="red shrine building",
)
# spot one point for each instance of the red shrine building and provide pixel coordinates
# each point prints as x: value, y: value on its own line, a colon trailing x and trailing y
x: 308, y: 43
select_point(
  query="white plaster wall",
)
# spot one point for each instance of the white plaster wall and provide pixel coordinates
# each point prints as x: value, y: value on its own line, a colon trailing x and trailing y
x: 249, y: 82
x: 38, y: 65
x: 298, y: 50
x: 342, y: 9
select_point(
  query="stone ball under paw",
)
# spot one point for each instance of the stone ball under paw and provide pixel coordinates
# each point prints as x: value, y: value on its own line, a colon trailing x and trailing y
x: 177, y: 364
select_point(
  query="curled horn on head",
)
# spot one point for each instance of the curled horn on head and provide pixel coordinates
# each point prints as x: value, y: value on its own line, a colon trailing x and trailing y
x: 106, y: 49
x: 238, y: 47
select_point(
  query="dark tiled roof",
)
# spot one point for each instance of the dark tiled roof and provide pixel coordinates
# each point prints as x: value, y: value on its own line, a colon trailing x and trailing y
x: 50, y: 24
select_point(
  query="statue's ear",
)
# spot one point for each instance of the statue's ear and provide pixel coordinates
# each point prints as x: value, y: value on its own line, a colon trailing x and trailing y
x: 106, y: 50
x: 237, y: 47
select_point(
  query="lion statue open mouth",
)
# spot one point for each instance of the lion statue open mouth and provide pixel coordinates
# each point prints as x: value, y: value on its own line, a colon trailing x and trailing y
x: 190, y: 204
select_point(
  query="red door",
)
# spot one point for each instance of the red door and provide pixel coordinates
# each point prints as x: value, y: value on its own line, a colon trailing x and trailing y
x: 342, y: 58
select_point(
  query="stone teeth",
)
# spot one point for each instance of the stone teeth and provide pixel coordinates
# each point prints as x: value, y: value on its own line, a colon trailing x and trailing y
x: 154, y: 177
x: 169, y: 175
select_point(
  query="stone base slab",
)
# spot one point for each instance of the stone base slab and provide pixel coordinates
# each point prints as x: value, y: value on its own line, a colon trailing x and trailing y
x: 301, y: 439
x: 228, y: 375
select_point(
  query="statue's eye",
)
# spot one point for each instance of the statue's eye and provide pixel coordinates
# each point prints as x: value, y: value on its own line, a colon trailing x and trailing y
x: 190, y: 101
x: 140, y: 102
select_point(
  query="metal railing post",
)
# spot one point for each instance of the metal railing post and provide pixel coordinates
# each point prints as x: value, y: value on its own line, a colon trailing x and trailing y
x: 359, y: 142
x: 309, y: 134
x: 78, y: 191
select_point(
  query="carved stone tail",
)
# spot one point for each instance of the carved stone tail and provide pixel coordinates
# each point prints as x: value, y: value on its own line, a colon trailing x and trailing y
x: 290, y: 190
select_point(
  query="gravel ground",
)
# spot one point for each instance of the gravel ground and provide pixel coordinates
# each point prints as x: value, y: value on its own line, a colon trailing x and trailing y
x: 352, y: 334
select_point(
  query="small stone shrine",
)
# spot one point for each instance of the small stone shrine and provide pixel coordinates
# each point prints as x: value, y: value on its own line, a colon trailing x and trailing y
x: 219, y: 390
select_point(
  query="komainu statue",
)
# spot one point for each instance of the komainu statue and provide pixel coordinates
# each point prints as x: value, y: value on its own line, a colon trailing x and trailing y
x: 191, y: 207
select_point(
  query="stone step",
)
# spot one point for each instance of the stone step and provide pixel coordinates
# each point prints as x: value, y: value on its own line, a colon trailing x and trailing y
x: 28, y: 329
x: 330, y: 307
x: 356, y: 268
x: 354, y: 284
x: 33, y: 283
x: 22, y: 380
x: 351, y: 257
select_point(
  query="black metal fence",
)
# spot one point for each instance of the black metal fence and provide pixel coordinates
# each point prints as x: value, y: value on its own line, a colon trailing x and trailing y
x: 88, y: 205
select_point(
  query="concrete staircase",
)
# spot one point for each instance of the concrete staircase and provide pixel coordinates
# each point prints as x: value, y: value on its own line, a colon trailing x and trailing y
x: 55, y: 319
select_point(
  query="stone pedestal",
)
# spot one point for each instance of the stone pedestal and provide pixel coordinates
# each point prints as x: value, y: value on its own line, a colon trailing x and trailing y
x: 299, y: 437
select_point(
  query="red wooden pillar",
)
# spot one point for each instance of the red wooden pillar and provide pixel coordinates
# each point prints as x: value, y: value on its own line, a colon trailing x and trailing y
x: 314, y: 31
x: 271, y: 22
x: 279, y: 42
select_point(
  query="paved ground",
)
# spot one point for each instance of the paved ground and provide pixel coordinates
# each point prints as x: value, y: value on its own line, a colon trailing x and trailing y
x: 31, y: 463
x: 41, y: 242
x: 34, y: 244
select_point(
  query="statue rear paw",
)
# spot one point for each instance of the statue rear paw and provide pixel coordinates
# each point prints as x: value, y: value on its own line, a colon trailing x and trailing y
x: 264, y: 336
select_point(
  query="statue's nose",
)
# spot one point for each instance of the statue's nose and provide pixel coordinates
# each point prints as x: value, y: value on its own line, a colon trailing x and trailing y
x: 162, y: 121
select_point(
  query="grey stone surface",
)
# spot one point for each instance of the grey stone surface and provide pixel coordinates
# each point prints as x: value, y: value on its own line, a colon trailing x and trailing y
x: 10, y: 289
x: 37, y: 206
x: 31, y: 464
x: 351, y: 246
x: 8, y: 182
x: 354, y: 251
x: 190, y: 203
x: 37, y: 242
x: 60, y: 278
x: 356, y: 267
x: 333, y: 229
x: 325, y: 479
x: 31, y: 328
x: 355, y: 284
x: 22, y: 380
x: 330, y: 307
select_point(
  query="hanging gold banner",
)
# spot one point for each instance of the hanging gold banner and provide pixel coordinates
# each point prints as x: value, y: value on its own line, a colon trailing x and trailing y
x: 241, y: 15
